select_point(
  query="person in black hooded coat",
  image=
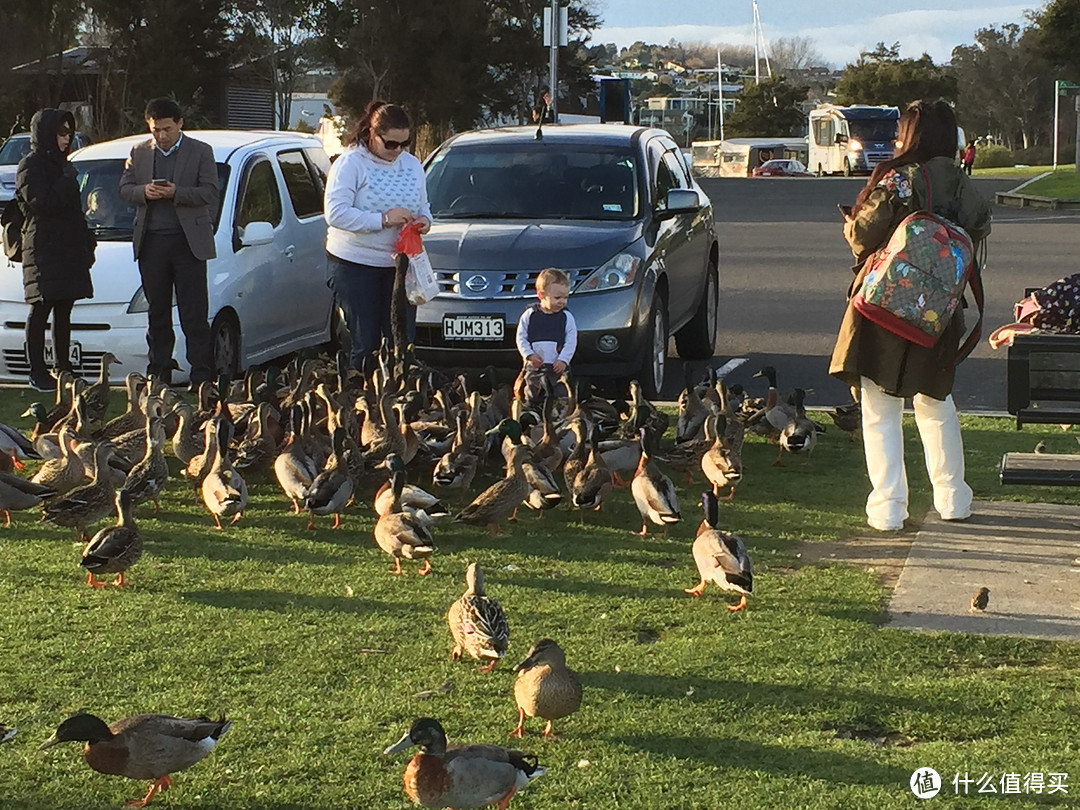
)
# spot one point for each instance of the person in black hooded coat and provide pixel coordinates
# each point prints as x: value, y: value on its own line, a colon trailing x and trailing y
x: 57, y: 245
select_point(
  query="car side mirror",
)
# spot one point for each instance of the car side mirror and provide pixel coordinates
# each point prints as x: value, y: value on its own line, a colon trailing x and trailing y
x: 256, y: 233
x: 841, y: 138
x: 682, y: 200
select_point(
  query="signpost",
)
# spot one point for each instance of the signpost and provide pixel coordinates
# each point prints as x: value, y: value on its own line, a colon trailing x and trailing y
x: 1059, y: 90
x: 556, y: 25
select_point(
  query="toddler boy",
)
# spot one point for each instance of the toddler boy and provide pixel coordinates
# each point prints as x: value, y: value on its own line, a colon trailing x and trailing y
x: 546, y: 332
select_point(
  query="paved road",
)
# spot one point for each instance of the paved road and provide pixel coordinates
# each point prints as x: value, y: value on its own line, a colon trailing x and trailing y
x: 784, y: 269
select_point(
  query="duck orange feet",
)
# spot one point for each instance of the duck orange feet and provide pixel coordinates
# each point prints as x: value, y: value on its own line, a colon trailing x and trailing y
x: 697, y: 590
x: 738, y: 607
x: 159, y: 785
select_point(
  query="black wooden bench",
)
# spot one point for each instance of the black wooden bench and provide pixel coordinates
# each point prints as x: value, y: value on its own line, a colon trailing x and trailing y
x: 1043, y: 387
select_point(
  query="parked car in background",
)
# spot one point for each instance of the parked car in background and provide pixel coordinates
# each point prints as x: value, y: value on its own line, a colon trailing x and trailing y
x: 781, y: 168
x: 12, y: 151
x: 267, y: 286
x: 614, y: 206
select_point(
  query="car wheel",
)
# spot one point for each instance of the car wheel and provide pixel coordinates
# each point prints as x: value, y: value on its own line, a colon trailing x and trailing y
x: 847, y: 168
x: 651, y: 375
x: 225, y: 344
x: 697, y: 340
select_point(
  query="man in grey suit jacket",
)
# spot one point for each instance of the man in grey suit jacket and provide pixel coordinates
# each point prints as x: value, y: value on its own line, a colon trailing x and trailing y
x: 172, y: 178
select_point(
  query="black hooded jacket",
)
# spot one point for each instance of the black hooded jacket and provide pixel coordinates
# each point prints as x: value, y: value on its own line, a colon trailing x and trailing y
x: 58, y: 247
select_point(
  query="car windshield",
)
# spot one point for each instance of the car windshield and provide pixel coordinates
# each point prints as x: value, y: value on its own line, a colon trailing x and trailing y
x: 14, y: 150
x: 874, y: 130
x: 109, y: 217
x: 536, y: 180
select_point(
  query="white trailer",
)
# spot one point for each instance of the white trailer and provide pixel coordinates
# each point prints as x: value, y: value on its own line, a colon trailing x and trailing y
x: 851, y: 140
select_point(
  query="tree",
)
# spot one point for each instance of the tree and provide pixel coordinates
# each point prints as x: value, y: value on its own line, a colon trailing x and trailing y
x: 1003, y: 86
x: 882, y: 77
x: 768, y: 109
x: 1059, y: 35
x: 275, y: 37
x: 794, y: 53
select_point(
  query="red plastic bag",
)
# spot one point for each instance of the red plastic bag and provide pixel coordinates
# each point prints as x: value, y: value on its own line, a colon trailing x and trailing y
x: 408, y: 241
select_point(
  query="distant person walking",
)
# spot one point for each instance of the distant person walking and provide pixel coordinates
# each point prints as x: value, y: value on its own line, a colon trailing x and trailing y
x: 969, y: 158
x: 57, y: 245
x: 372, y: 190
x: 20, y: 125
x: 172, y: 179
x: 885, y: 367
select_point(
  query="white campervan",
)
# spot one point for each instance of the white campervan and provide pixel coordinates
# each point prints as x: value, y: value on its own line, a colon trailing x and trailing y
x: 851, y: 139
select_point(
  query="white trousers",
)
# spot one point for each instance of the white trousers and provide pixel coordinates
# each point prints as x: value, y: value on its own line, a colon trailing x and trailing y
x: 883, y: 443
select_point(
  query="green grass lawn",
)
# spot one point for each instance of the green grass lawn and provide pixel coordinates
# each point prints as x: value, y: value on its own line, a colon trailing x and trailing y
x: 316, y: 652
x: 1063, y: 184
x: 1018, y: 171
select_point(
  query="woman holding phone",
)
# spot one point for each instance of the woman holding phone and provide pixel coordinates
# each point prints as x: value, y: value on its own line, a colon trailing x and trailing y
x: 58, y: 246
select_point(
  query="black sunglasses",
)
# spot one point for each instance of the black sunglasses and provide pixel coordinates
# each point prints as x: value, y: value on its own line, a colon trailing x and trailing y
x: 394, y: 144
x: 64, y: 132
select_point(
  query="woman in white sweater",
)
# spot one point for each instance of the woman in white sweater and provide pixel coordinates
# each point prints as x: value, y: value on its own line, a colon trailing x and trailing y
x: 373, y: 189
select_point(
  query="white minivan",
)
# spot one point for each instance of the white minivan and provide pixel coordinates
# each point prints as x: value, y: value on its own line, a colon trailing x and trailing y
x: 267, y: 286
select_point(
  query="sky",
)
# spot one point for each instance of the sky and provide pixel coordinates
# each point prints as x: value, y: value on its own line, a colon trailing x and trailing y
x: 840, y: 29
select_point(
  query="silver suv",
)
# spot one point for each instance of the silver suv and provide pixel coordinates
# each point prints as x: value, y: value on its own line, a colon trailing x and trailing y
x: 614, y: 206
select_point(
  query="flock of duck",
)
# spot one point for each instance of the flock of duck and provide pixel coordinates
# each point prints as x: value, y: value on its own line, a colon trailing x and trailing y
x: 325, y: 432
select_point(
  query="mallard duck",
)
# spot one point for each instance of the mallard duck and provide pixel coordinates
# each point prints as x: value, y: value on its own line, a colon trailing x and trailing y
x: 45, y: 419
x: 775, y: 415
x: 721, y: 464
x: 216, y: 432
x: 258, y: 448
x: 113, y: 550
x: 97, y: 396
x: 457, y: 468
x: 800, y: 434
x: 478, y: 622
x: 332, y: 487
x: 15, y: 446
x: 593, y: 482
x: 294, y: 468
x: 413, y: 499
x: 187, y: 441
x: 65, y: 472
x: 90, y: 502
x: 461, y: 776
x: 145, y: 746
x: 545, y: 687
x: 134, y: 417
x: 400, y: 534
x: 17, y: 493
x: 501, y: 499
x: 692, y: 411
x: 149, y: 476
x: 721, y: 556
x: 848, y: 418
x: 544, y: 490
x: 224, y: 490
x: 653, y: 492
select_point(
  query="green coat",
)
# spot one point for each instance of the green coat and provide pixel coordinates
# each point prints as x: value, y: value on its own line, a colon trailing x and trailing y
x: 864, y: 349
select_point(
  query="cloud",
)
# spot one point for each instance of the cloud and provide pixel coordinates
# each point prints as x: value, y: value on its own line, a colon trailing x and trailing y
x: 935, y: 32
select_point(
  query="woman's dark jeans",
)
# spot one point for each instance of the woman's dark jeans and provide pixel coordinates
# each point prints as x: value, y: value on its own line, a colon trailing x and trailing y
x: 363, y: 293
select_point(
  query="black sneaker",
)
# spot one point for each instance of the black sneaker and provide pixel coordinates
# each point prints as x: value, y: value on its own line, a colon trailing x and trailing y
x: 43, y: 381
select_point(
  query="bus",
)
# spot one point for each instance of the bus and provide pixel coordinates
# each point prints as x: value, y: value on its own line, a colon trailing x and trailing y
x: 851, y: 139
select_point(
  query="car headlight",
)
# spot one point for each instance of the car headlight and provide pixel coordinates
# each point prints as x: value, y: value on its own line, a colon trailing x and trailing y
x: 618, y: 271
x: 854, y: 146
x: 138, y: 302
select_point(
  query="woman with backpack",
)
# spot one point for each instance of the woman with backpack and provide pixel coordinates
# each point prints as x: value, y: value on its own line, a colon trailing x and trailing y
x: 886, y: 368
x: 57, y: 245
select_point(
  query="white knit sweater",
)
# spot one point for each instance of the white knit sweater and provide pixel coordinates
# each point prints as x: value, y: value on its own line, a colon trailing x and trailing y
x: 359, y: 189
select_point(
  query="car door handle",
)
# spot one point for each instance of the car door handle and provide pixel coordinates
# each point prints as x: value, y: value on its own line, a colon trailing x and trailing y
x: 289, y: 251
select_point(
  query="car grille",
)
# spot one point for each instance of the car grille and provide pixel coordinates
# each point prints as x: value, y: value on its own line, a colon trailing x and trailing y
x: 16, y: 364
x: 874, y: 158
x: 489, y: 284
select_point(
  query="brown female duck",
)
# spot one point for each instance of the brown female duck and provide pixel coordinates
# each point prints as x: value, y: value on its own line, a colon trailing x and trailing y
x: 545, y: 687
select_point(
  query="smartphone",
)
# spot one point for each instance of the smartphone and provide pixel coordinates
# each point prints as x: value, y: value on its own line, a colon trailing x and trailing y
x: 160, y: 181
x: 845, y: 210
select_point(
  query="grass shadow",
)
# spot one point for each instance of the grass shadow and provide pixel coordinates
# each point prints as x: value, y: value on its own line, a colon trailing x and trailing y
x: 728, y: 753
x: 568, y: 585
x: 286, y: 603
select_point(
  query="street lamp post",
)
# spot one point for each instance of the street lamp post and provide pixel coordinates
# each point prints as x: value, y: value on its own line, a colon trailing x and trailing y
x: 1059, y: 88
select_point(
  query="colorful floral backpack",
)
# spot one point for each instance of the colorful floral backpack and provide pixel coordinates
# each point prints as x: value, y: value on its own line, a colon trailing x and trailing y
x: 914, y: 284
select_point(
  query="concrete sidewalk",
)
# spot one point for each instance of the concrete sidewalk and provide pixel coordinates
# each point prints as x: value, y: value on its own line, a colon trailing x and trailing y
x: 1028, y: 555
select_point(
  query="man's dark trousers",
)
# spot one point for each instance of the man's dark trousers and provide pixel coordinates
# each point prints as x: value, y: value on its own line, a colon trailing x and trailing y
x: 166, y: 263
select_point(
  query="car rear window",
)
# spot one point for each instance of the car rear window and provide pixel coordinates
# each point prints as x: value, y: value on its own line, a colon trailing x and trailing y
x: 14, y: 150
x: 533, y: 181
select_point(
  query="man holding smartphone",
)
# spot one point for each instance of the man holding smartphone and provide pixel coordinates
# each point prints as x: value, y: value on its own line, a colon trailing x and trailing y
x: 172, y: 179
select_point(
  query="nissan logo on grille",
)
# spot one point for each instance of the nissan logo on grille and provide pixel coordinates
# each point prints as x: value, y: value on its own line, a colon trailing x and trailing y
x: 477, y: 283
